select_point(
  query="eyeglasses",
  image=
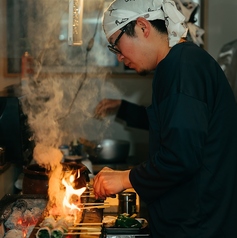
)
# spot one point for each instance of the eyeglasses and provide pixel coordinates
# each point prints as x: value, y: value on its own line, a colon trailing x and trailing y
x: 112, y: 46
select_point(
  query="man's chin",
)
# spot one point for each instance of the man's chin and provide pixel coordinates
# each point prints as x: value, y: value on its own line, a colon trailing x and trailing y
x: 143, y: 72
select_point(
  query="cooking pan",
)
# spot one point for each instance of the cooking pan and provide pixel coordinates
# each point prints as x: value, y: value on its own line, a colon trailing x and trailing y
x: 106, y: 151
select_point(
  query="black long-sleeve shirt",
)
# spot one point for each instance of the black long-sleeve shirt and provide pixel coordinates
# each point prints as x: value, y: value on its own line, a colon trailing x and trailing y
x: 134, y: 115
x: 189, y: 181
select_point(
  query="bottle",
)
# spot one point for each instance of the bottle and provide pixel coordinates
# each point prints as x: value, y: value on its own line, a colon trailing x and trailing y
x: 26, y: 69
x: 75, y: 148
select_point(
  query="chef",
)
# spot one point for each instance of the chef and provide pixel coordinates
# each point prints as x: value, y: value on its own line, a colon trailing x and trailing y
x: 189, y: 178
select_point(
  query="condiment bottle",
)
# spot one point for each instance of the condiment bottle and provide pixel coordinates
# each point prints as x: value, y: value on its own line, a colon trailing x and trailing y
x: 26, y: 69
x: 75, y: 148
x: 127, y: 203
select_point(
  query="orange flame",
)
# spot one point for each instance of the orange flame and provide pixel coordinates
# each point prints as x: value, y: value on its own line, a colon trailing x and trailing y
x: 70, y: 192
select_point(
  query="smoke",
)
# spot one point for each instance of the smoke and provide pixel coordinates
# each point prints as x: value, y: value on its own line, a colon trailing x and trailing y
x: 56, y: 113
x: 68, y: 82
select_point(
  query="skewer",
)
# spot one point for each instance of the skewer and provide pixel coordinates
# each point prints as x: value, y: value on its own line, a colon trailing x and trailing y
x: 87, y: 196
x: 90, y: 207
x: 94, y: 203
x: 85, y: 228
x: 81, y: 226
x: 83, y: 233
x: 88, y: 223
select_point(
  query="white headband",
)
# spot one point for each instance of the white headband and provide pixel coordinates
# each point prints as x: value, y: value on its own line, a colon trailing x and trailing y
x: 121, y: 12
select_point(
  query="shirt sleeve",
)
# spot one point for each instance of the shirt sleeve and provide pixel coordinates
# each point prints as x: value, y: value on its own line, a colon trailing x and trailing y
x: 134, y: 115
x: 175, y: 150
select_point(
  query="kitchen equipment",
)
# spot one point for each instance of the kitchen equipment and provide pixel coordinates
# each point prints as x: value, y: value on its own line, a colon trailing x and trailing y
x: 24, y: 209
x: 124, y: 226
x: 35, y: 180
x: 21, y: 211
x: 107, y: 151
x: 127, y: 203
x: 73, y: 159
x: 91, y: 218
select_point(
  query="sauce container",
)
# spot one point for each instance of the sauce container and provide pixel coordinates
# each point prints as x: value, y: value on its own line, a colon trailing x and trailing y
x: 127, y: 203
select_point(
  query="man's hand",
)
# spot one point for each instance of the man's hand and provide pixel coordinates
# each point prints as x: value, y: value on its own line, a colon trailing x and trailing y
x: 107, y: 107
x: 108, y: 182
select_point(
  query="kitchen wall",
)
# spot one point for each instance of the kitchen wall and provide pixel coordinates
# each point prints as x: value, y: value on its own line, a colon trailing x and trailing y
x: 4, y: 80
x: 220, y: 18
x: 220, y: 24
x: 8, y: 175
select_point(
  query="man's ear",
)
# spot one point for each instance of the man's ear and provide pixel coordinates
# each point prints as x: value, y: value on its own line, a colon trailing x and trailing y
x: 144, y: 25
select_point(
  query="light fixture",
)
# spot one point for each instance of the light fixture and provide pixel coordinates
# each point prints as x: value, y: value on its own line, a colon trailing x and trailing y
x: 75, y: 22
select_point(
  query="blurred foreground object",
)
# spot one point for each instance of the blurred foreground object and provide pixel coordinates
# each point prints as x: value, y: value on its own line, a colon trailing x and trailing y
x: 228, y: 60
x: 189, y: 9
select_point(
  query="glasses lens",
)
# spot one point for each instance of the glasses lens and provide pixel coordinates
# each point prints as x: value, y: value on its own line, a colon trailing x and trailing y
x: 112, y: 47
x: 113, y: 50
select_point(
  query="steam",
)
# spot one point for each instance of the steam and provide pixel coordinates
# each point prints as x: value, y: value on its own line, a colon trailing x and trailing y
x: 43, y: 154
x: 59, y: 71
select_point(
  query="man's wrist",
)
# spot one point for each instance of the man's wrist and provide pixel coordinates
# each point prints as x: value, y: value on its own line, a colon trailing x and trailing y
x: 126, y: 181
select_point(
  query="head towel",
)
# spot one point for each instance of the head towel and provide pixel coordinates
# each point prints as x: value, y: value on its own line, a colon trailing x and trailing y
x: 121, y: 12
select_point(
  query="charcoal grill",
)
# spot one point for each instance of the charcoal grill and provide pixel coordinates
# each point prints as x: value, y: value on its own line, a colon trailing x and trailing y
x: 10, y: 202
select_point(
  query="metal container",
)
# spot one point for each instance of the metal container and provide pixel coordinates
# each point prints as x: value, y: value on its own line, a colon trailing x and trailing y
x: 127, y: 203
x: 109, y: 151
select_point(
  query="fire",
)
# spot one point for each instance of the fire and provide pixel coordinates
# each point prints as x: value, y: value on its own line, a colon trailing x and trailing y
x: 70, y: 192
x: 24, y: 223
x: 71, y: 200
x: 64, y: 195
x: 27, y: 221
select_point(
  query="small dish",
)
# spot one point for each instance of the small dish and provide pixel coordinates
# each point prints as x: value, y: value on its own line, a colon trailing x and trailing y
x: 127, y: 231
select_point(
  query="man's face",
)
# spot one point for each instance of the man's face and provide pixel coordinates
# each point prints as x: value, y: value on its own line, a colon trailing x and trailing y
x: 131, y: 51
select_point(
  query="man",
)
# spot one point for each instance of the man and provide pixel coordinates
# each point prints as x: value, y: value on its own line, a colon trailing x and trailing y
x: 189, y: 180
x: 135, y: 115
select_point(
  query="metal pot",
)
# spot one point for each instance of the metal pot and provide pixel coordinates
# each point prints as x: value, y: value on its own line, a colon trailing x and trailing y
x: 108, y: 151
x: 35, y: 180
